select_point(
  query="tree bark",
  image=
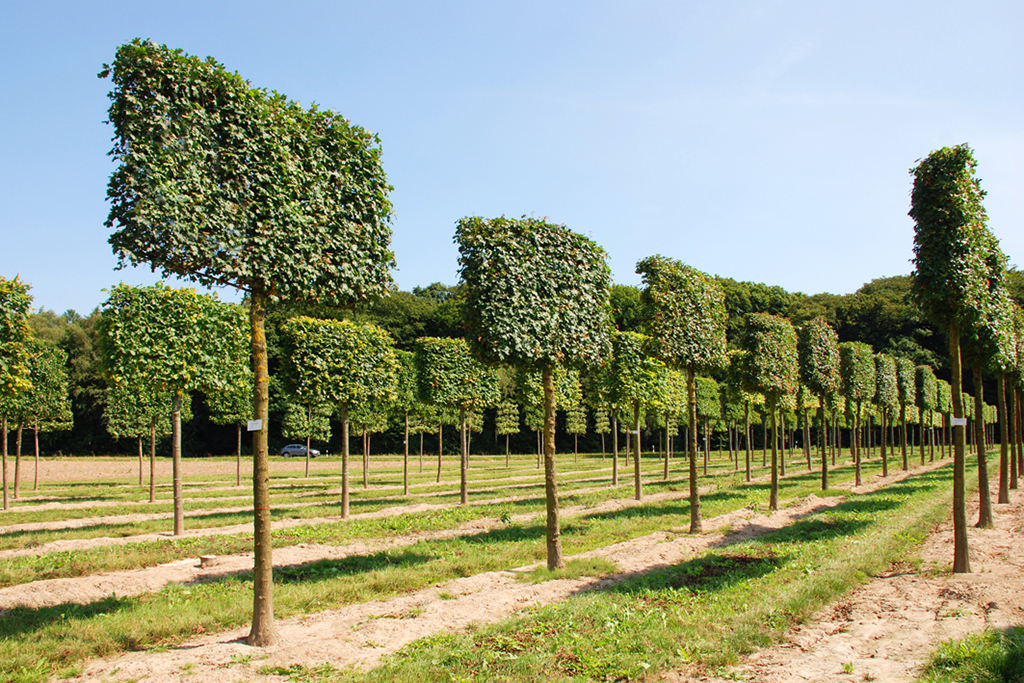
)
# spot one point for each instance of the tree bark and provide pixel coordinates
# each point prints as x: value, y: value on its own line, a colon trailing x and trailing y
x: 1014, y: 436
x: 615, y: 448
x: 35, y: 471
x: 903, y: 442
x: 140, y: 460
x: 463, y: 458
x: 961, y: 558
x: 823, y: 442
x: 17, y: 460
x: 984, y: 496
x: 440, y: 449
x: 554, y: 532
x: 309, y: 428
x: 637, y: 491
x: 667, y: 442
x: 405, y: 457
x: 179, y: 500
x: 238, y: 457
x: 6, y: 503
x: 345, y: 446
x: 366, y: 460
x: 856, y: 438
x: 263, y: 631
x: 696, y: 521
x: 884, y: 438
x: 1004, y: 437
x: 746, y: 434
x: 152, y: 462
x: 773, y: 500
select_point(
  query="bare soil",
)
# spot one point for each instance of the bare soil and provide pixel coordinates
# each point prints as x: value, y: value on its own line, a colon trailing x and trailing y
x: 883, y: 631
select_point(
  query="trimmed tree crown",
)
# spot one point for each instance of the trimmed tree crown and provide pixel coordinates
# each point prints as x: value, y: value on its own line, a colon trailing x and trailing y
x: 818, y: 347
x: 857, y: 366
x: 771, y: 362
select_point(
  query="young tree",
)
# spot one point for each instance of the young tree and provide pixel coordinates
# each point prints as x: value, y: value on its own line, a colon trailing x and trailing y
x: 926, y: 398
x: 536, y: 297
x: 233, y: 406
x: 135, y: 410
x: 951, y: 282
x: 771, y: 369
x: 340, y: 363
x: 507, y: 423
x: 686, y: 319
x: 451, y: 378
x: 818, y: 349
x: 174, y: 340
x: 15, y: 302
x: 709, y: 411
x: 46, y: 405
x: 886, y: 398
x: 307, y: 421
x: 576, y: 424
x: 406, y: 386
x: 226, y: 184
x: 907, y: 395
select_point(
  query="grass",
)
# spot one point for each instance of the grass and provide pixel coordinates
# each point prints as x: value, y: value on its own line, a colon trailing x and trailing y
x: 990, y: 657
x: 67, y: 635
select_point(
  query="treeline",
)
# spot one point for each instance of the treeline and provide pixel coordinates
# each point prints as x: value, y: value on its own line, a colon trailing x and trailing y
x: 881, y: 314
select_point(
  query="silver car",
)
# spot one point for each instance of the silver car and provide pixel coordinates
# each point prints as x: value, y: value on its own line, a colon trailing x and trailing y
x: 298, y: 450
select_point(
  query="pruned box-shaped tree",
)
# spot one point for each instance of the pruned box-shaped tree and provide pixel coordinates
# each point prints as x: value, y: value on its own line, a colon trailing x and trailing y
x: 15, y: 302
x: 857, y: 367
x: 887, y: 398
x: 926, y: 399
x: 818, y: 349
x: 686, y: 317
x: 536, y: 297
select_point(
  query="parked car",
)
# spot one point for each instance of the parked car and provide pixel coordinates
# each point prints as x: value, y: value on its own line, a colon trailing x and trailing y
x: 298, y: 450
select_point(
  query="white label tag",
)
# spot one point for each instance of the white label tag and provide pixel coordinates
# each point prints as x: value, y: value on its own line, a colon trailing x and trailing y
x: 255, y: 425
x: 959, y: 422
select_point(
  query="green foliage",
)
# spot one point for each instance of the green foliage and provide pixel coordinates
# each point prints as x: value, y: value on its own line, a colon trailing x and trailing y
x: 686, y: 314
x: 225, y: 183
x: 568, y: 391
x: 744, y: 298
x: 818, y: 349
x: 536, y: 293
x: 339, y: 362
x: 15, y: 302
x: 132, y: 411
x: 943, y: 396
x: 709, y: 401
x: 450, y: 376
x: 925, y: 388
x: 857, y: 367
x: 307, y: 421
x: 602, y: 423
x: 886, y: 383
x: 232, y: 405
x: 951, y: 242
x: 170, y: 339
x: 627, y: 308
x: 637, y: 376
x: 47, y: 401
x: 576, y: 420
x: 770, y: 364
x: 507, y: 418
x: 406, y: 382
x: 906, y: 381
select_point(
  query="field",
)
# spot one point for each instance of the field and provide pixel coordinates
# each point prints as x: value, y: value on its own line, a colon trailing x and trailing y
x: 851, y: 582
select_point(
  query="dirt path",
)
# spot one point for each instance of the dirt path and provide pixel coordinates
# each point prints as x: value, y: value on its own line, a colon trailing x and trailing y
x: 886, y: 630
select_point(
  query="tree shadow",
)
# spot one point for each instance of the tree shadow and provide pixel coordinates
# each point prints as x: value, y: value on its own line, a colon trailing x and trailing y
x: 19, y: 620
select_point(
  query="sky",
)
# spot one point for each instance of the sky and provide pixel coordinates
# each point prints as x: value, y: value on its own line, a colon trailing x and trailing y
x: 765, y: 141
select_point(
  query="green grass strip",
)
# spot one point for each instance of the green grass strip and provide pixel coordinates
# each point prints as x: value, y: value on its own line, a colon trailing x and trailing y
x: 989, y: 657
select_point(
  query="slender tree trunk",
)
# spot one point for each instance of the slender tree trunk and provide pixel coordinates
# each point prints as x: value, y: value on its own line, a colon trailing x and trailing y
x: 366, y: 461
x: 1004, y: 438
x: 696, y: 521
x: 707, y: 438
x: 35, y: 471
x: 764, y: 443
x: 779, y: 437
x: 822, y: 442
x: 421, y: 452
x: 140, y: 460
x: 179, y: 499
x: 17, y: 459
x: 405, y: 457
x: 507, y: 452
x: 920, y: 434
x: 984, y: 497
x: 667, y: 446
x: 807, y: 441
x: 931, y: 436
x: 440, y: 448
x: 883, y: 436
x: 615, y: 448
x: 773, y: 500
x: 903, y: 441
x: 238, y: 457
x: 637, y: 490
x: 1014, y: 436
x: 746, y: 434
x: 309, y: 429
x: 6, y: 502
x: 152, y: 462
x: 263, y: 631
x: 856, y: 438
x: 961, y: 557
x: 463, y: 458
x: 344, y: 461
x: 554, y: 532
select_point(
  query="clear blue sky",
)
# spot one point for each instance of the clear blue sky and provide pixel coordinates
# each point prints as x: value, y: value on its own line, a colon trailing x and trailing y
x: 765, y: 141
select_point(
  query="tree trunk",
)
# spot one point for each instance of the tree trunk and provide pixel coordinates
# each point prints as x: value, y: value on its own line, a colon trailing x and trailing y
x: 506, y: 450
x: 807, y: 441
x: 309, y: 428
x: 856, y: 438
x: 903, y: 441
x: 667, y: 447
x: 179, y: 500
x: 823, y: 442
x: 463, y: 458
x: 1014, y: 435
x: 263, y: 631
x: 773, y: 500
x: 152, y: 462
x: 344, y: 461
x: 637, y: 490
x: 883, y: 438
x: 984, y: 497
x: 615, y: 448
x: 421, y: 452
x: 746, y: 434
x: 554, y: 533
x: 6, y: 502
x: 1004, y: 433
x: 405, y: 457
x: 696, y: 520
x: 366, y: 460
x: 140, y: 459
x: 440, y: 449
x: 17, y: 460
x: 779, y: 437
x: 238, y: 457
x: 920, y: 434
x: 35, y: 471
x: 961, y: 558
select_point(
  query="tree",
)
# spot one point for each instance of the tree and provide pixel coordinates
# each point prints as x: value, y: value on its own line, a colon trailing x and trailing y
x: 576, y: 424
x: 307, y: 421
x: 14, y: 334
x: 857, y: 368
x: 536, y: 297
x: 451, y: 378
x: 771, y: 369
x: 709, y: 411
x: 907, y: 395
x: 687, y: 320
x: 951, y: 282
x: 926, y: 400
x: 406, y: 386
x: 818, y: 350
x: 175, y: 340
x: 506, y: 422
x: 639, y: 380
x: 226, y: 184
x: 233, y: 406
x: 886, y: 398
x: 343, y: 364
